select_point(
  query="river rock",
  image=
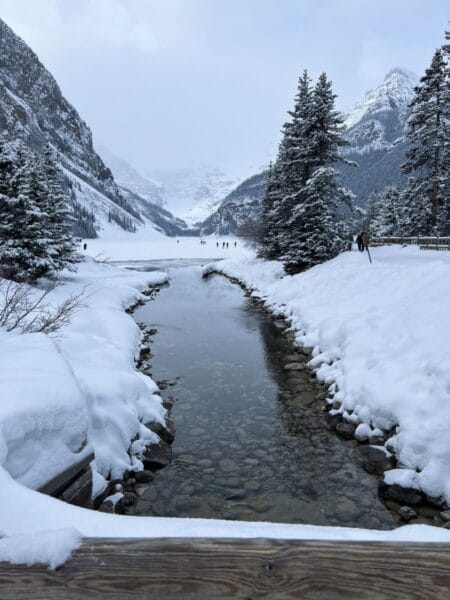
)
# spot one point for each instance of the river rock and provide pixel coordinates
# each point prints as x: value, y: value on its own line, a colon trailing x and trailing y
x: 295, y: 366
x: 332, y: 420
x: 252, y: 485
x: 407, y: 513
x: 345, y: 430
x: 157, y: 456
x: 346, y: 510
x: 376, y: 440
x: 402, y: 495
x: 235, y: 494
x: 373, y: 460
x: 115, y: 506
x: 227, y: 465
x: 166, y: 432
x: 143, y: 476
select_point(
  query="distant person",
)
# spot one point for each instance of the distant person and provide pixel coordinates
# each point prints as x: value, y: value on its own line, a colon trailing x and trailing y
x: 178, y: 241
x: 359, y: 241
x: 217, y: 244
x: 84, y: 246
x: 365, y: 240
x: 223, y: 244
x: 227, y: 244
x: 235, y: 244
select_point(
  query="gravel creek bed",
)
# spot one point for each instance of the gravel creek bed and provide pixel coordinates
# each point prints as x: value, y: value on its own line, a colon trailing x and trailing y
x: 252, y: 441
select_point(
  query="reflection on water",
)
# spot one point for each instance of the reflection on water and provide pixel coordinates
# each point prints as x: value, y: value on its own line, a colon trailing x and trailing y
x: 250, y: 441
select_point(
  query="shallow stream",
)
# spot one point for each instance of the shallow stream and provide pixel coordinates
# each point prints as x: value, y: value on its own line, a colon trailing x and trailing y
x: 251, y: 442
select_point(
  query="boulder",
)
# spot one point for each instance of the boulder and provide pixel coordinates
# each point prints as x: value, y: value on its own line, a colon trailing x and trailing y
x: 157, y: 456
x: 143, y: 476
x: 402, y: 495
x: 331, y: 420
x: 373, y: 460
x: 345, y: 430
x: 165, y: 432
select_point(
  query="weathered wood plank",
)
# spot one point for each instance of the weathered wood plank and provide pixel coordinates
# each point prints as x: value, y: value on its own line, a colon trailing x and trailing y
x: 166, y: 569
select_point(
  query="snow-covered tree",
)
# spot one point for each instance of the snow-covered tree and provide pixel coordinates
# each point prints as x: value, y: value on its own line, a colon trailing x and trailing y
x: 59, y: 219
x: 35, y: 237
x: 287, y: 175
x: 316, y: 232
x: 428, y: 156
x: 385, y: 213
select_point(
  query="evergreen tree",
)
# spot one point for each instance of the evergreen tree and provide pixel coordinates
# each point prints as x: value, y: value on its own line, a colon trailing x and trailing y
x: 428, y: 156
x: 386, y: 213
x: 269, y: 247
x: 35, y: 238
x: 316, y: 233
x: 59, y: 219
x: 287, y: 175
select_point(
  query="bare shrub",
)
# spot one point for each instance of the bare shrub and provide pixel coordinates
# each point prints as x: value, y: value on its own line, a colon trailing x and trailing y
x: 25, y: 308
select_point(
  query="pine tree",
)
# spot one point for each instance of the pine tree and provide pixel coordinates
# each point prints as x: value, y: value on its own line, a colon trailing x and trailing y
x: 35, y: 234
x: 59, y: 220
x: 386, y: 213
x: 316, y: 233
x: 286, y: 175
x: 428, y: 156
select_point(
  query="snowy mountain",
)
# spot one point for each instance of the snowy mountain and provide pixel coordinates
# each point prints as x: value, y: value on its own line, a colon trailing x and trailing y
x: 375, y: 130
x: 390, y: 98
x: 128, y: 177
x: 194, y: 194
x: 239, y: 206
x: 34, y: 111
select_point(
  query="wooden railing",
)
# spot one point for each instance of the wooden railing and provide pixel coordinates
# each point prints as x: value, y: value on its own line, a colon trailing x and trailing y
x: 166, y: 569
x: 424, y: 243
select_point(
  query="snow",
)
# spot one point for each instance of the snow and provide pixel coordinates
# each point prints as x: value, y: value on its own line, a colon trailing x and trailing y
x: 64, y: 397
x: 380, y: 335
x: 50, y: 548
x: 397, y: 88
x: 378, y: 330
x: 137, y: 246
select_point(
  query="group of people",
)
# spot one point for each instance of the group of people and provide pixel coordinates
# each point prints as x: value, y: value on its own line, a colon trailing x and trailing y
x: 226, y: 244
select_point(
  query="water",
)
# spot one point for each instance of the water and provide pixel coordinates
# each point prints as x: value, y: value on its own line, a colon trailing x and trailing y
x: 250, y: 442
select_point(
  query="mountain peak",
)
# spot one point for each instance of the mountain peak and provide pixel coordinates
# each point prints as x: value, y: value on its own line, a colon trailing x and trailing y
x: 394, y: 93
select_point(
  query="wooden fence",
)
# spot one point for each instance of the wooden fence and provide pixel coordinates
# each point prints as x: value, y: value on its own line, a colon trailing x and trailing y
x: 424, y: 243
x: 166, y: 569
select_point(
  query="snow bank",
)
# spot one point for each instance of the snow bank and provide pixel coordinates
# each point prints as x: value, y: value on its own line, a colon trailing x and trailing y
x: 380, y: 332
x: 50, y: 548
x: 65, y: 396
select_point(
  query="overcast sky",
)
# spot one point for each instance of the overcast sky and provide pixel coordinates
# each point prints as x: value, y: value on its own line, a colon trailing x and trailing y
x: 177, y: 83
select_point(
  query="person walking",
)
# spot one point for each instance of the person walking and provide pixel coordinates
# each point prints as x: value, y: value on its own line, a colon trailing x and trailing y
x: 364, y: 240
x: 359, y: 241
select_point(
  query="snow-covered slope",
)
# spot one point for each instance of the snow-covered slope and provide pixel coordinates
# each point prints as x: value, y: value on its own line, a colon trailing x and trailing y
x: 194, y: 194
x: 392, y: 96
x: 34, y: 112
x: 129, y: 178
x: 239, y: 206
x: 376, y: 132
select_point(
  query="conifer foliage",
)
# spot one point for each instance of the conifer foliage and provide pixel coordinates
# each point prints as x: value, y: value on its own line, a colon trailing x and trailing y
x: 300, y: 209
x: 427, y: 203
x: 35, y: 224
